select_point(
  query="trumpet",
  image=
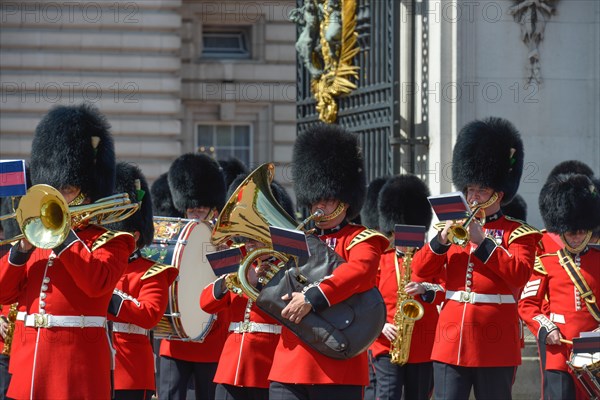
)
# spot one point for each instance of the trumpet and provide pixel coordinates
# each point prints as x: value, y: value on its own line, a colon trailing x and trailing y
x: 45, y: 218
x: 458, y: 233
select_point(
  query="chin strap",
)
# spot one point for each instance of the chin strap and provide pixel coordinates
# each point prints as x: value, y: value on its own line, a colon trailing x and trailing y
x: 336, y: 213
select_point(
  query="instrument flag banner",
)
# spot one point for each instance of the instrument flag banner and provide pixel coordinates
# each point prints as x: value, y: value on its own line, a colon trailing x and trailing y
x: 12, y: 178
x: 290, y: 241
x: 449, y: 206
x: 588, y: 342
x: 225, y: 261
x: 409, y: 235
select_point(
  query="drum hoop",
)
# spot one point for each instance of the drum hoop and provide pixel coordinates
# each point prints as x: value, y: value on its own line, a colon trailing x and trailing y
x: 179, y: 333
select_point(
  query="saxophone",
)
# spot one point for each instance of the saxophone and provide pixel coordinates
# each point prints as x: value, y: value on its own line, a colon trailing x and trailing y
x: 408, y: 311
x: 11, y: 317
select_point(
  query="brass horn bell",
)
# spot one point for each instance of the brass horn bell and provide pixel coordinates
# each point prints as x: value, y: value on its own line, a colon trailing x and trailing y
x: 45, y: 218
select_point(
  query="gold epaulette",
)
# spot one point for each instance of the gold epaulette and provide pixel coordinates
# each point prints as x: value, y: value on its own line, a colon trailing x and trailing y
x: 523, y: 230
x: 538, y: 266
x: 364, y: 235
x: 106, y: 237
x: 156, y: 269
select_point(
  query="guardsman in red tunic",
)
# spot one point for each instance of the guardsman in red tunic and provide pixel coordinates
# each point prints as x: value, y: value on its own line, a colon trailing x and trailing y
x: 369, y: 218
x: 478, y: 338
x: 141, y: 296
x: 570, y: 207
x: 403, y: 200
x: 552, y: 242
x: 329, y: 175
x: 248, y: 352
x: 64, y: 351
x: 197, y: 188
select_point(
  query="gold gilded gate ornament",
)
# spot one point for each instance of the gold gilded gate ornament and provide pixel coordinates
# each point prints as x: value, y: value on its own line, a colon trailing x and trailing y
x: 326, y: 45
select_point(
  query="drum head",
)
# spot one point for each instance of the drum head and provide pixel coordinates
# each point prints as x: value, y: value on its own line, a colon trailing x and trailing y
x: 195, y: 274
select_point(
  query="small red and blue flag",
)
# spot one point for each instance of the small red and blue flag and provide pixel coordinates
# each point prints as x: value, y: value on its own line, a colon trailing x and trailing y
x: 409, y: 235
x: 449, y: 206
x: 12, y: 178
x: 225, y: 261
x: 290, y: 241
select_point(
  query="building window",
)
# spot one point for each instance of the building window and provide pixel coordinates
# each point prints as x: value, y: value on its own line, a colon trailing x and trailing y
x: 224, y: 141
x: 226, y: 43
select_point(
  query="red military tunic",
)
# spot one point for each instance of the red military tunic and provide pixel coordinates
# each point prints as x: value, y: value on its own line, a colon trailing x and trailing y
x: 424, y: 329
x: 70, y: 362
x: 481, y: 334
x: 567, y: 310
x: 247, y: 356
x: 148, y: 285
x: 297, y: 363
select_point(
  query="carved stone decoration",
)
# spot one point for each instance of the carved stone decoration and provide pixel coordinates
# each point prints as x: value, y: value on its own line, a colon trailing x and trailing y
x: 533, y: 16
x: 327, y: 44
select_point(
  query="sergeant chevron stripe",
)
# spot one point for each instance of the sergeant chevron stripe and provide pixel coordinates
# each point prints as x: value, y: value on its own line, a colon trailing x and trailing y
x: 531, y: 288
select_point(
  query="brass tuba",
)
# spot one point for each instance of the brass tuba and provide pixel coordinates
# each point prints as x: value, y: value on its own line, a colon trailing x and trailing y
x: 248, y: 213
x: 45, y: 218
x: 408, y: 311
x: 341, y: 331
x: 458, y: 233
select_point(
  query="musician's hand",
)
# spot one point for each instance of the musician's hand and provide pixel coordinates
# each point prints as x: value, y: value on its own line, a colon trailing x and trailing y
x: 443, y: 236
x: 25, y: 246
x: 553, y: 337
x: 296, y: 308
x: 476, y: 232
x: 414, y: 288
x: 3, y: 327
x: 390, y: 331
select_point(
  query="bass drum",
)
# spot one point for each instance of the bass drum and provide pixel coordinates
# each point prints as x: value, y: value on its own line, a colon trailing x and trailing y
x: 183, y: 243
x: 586, y: 367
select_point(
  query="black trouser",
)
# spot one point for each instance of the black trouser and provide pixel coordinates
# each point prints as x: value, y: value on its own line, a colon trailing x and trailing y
x: 133, y: 394
x: 370, y: 390
x: 4, y: 375
x: 415, y: 379
x: 558, y: 385
x: 229, y: 392
x: 285, y: 391
x: 454, y: 383
x: 175, y: 376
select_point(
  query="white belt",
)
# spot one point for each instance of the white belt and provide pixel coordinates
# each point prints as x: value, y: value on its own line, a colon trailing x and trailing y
x: 249, y: 326
x: 21, y: 315
x: 471, y: 297
x: 128, y: 328
x: 64, y: 321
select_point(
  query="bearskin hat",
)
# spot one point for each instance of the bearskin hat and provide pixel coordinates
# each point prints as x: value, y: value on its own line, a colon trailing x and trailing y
x: 328, y: 164
x: 571, y: 167
x: 162, y: 202
x: 232, y: 167
x: 369, y: 214
x: 403, y: 200
x: 279, y: 193
x: 517, y: 208
x: 570, y: 202
x: 488, y: 153
x: 72, y: 146
x: 196, y: 181
x: 141, y: 220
